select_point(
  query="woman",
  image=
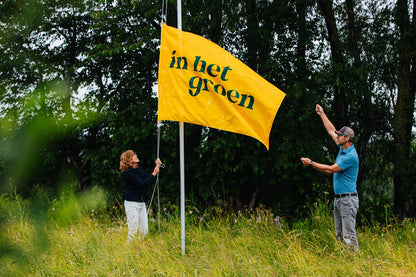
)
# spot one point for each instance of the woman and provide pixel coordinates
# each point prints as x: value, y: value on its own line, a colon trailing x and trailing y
x: 136, y: 181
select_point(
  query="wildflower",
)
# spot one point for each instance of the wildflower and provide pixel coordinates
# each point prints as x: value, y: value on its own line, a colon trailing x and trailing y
x: 152, y: 220
x: 259, y: 219
x: 277, y: 221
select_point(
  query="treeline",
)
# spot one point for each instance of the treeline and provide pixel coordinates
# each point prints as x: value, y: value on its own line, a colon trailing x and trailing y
x: 78, y: 79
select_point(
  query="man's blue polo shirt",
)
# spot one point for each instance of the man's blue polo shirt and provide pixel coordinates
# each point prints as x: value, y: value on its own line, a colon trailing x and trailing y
x: 346, y: 180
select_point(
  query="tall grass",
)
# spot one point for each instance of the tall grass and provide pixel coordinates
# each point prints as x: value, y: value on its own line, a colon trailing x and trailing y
x: 217, y: 244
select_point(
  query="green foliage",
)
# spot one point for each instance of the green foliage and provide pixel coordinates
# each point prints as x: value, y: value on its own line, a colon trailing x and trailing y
x: 26, y: 225
x: 70, y: 205
x: 376, y: 193
x: 77, y: 89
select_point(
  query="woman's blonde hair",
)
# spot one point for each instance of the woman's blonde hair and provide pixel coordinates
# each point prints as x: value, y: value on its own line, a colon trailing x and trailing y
x: 125, y: 160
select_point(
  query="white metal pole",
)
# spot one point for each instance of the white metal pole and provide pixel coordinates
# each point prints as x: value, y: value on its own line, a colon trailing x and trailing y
x: 181, y: 149
x: 182, y: 161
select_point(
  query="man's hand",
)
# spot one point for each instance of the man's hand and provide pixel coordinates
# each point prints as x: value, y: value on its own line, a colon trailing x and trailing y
x: 319, y: 110
x: 305, y: 161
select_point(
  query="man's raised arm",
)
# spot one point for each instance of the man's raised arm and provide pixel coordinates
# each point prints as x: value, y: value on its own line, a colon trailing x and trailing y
x: 330, y: 128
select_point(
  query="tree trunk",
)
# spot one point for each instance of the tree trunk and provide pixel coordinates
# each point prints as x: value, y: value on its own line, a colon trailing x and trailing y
x: 252, y: 29
x: 333, y: 37
x: 367, y: 121
x: 215, y: 28
x: 253, y: 197
x: 404, y: 190
x: 302, y: 38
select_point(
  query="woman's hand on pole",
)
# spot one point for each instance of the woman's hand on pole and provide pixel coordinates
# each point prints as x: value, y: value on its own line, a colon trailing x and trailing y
x: 159, y: 164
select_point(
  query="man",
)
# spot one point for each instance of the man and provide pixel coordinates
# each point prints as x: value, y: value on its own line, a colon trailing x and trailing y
x: 345, y: 170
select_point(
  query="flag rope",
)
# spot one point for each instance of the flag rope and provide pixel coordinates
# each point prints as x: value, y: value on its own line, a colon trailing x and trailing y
x: 157, y: 182
x: 163, y: 19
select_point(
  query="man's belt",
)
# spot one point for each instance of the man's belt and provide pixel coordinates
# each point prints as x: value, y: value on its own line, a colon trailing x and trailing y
x: 345, y: 194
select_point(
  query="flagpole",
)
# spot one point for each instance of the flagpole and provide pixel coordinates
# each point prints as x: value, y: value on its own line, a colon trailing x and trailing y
x: 181, y: 149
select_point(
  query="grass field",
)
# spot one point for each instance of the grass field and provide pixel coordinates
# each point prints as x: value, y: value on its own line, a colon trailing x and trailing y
x: 54, y: 240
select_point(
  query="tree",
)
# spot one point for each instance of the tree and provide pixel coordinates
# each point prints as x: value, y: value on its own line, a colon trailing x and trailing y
x: 404, y: 189
x: 49, y: 37
x: 83, y: 74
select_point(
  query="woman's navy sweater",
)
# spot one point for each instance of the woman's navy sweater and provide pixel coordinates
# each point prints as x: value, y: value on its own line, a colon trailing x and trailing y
x: 137, y: 181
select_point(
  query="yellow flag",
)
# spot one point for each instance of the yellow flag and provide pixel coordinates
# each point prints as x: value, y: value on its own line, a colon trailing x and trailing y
x: 201, y: 83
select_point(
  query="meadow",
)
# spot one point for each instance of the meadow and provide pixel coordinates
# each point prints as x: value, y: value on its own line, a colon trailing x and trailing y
x: 48, y: 238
